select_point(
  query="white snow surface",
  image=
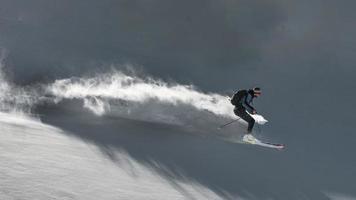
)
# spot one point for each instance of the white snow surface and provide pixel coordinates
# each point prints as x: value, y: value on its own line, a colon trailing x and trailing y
x: 39, y: 161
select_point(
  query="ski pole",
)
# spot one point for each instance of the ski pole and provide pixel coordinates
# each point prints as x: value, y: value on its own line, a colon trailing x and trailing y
x: 222, y: 126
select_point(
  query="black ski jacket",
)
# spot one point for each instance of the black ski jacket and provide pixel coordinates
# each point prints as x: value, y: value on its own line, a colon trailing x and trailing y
x: 247, y: 100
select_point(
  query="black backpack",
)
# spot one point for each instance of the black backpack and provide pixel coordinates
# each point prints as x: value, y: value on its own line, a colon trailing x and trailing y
x: 236, y: 99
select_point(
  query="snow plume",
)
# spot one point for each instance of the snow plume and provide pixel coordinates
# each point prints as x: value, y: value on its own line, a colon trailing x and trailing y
x: 12, y: 97
x: 130, y: 96
x: 122, y: 95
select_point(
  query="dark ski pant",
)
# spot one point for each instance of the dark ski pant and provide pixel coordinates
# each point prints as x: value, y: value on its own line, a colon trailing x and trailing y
x: 241, y: 112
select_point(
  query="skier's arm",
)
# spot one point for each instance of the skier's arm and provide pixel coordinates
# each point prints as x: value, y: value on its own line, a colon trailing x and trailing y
x: 248, y: 106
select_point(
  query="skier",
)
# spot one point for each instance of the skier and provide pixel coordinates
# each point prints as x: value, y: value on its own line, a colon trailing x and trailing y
x: 242, y: 101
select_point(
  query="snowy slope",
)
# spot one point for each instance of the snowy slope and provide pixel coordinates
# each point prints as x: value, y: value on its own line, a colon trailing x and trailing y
x: 39, y: 161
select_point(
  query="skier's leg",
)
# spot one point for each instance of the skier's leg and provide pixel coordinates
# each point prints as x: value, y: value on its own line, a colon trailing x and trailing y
x: 245, y: 116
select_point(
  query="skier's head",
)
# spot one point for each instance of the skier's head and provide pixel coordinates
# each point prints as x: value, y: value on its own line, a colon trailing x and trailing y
x: 256, y: 91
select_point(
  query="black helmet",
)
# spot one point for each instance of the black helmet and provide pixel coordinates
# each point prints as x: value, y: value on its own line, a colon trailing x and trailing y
x: 256, y: 90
